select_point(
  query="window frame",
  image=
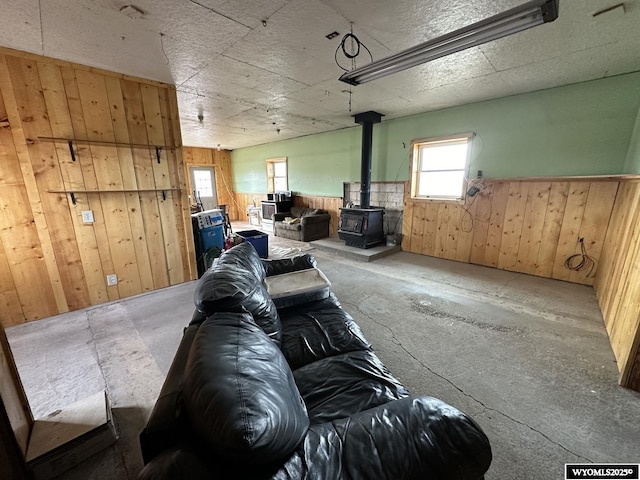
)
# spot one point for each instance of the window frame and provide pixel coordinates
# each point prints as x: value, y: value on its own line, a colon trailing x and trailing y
x: 270, y: 163
x: 416, y: 164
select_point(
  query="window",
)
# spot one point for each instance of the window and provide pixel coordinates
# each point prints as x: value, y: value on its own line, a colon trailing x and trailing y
x: 277, y: 175
x: 439, y: 167
x: 203, y: 183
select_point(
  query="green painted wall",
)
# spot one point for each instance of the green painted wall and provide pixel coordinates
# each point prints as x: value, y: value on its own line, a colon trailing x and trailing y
x: 580, y: 129
x: 632, y: 165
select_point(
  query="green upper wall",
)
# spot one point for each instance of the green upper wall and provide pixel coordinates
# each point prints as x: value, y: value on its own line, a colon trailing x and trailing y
x: 581, y: 129
x: 632, y: 164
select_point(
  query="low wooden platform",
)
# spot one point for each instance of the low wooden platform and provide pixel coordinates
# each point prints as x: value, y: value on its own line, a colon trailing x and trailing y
x: 336, y: 245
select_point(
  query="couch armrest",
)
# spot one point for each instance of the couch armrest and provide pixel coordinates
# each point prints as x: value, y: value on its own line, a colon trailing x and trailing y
x: 318, y: 218
x: 410, y: 438
x: 278, y: 217
x: 164, y: 428
x: 288, y: 265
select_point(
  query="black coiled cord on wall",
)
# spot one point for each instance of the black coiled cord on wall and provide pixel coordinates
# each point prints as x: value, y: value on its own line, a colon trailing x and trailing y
x: 580, y: 261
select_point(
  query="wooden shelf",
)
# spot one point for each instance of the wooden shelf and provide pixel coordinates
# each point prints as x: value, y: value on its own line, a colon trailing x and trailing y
x: 117, y: 191
x: 104, y: 143
x: 72, y: 193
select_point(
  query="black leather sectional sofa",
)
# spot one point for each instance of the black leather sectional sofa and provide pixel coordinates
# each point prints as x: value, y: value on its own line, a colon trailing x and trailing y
x: 259, y: 392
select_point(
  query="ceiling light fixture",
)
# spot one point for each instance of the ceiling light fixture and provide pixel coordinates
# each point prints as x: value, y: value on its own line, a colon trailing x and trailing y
x: 527, y: 15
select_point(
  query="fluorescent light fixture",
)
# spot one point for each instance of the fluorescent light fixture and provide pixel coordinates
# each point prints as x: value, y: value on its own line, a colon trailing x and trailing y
x: 527, y: 15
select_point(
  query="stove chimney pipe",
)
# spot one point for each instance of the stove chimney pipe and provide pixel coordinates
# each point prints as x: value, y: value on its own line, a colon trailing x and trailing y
x: 366, y: 119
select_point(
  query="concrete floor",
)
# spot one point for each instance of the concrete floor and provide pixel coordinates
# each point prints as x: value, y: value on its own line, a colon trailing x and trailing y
x: 527, y: 357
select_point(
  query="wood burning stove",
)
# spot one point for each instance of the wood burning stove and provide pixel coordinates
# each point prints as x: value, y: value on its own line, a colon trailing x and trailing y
x: 362, y: 227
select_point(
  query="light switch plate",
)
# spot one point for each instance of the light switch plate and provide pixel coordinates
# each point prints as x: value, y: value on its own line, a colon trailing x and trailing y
x: 112, y: 280
x: 87, y: 216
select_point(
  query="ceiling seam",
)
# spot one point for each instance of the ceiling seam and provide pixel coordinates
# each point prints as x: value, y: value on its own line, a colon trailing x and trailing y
x: 41, y: 29
x: 221, y: 14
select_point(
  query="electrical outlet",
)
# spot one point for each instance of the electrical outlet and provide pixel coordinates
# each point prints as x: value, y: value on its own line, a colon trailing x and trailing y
x: 87, y: 216
x: 112, y: 280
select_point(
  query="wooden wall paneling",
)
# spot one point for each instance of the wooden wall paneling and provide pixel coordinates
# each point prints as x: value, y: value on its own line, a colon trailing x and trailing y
x: 594, y: 225
x: 143, y: 159
x: 494, y: 231
x: 610, y: 278
x: 10, y: 308
x: 619, y: 291
x: 512, y: 226
x: 570, y: 231
x: 467, y: 214
x: 453, y: 231
x: 417, y: 227
x: 221, y: 161
x: 429, y: 230
x: 45, y: 246
x: 129, y: 181
x: 407, y: 220
x: 481, y: 220
x: 333, y: 206
x: 41, y: 245
x: 532, y: 227
x: 603, y: 283
x: 71, y: 171
x: 632, y: 380
x: 244, y: 200
x: 168, y: 215
x: 66, y: 265
x: 224, y: 182
x: 85, y: 201
x: 13, y: 396
x: 624, y: 326
x: 551, y: 227
x: 442, y: 229
x: 178, y: 172
x: 106, y: 164
x: 22, y: 266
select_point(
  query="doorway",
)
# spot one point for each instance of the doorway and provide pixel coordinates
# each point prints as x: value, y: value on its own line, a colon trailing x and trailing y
x: 203, y: 186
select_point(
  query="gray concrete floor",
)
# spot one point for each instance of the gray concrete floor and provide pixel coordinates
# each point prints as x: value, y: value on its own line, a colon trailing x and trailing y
x: 527, y: 357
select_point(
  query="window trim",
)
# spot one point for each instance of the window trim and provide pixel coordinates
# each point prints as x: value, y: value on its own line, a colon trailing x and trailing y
x: 271, y: 174
x: 415, y: 164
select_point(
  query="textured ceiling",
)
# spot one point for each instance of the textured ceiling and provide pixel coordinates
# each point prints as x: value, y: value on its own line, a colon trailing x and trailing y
x: 260, y: 71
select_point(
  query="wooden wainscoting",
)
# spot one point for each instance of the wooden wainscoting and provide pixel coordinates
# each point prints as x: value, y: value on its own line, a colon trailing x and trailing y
x: 245, y: 200
x: 617, y: 283
x: 528, y: 226
x: 330, y: 204
x: 50, y: 260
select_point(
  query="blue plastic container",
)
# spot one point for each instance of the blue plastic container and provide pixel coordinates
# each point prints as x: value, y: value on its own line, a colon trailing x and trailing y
x: 212, y: 237
x: 259, y: 240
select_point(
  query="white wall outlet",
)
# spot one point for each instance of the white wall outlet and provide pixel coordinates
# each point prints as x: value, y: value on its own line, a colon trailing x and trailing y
x: 87, y: 216
x: 112, y: 280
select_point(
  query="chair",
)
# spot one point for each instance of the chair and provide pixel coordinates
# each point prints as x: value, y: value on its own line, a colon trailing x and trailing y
x: 305, y: 224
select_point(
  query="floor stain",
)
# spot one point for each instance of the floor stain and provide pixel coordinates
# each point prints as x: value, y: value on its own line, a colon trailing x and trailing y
x: 427, y: 308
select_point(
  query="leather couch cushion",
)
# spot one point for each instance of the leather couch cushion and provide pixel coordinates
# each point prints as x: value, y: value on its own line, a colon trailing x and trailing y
x: 317, y: 330
x: 343, y: 385
x: 288, y: 265
x: 239, y: 392
x: 234, y: 283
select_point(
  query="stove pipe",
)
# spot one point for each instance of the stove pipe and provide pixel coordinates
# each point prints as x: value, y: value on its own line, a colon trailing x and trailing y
x: 366, y: 119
